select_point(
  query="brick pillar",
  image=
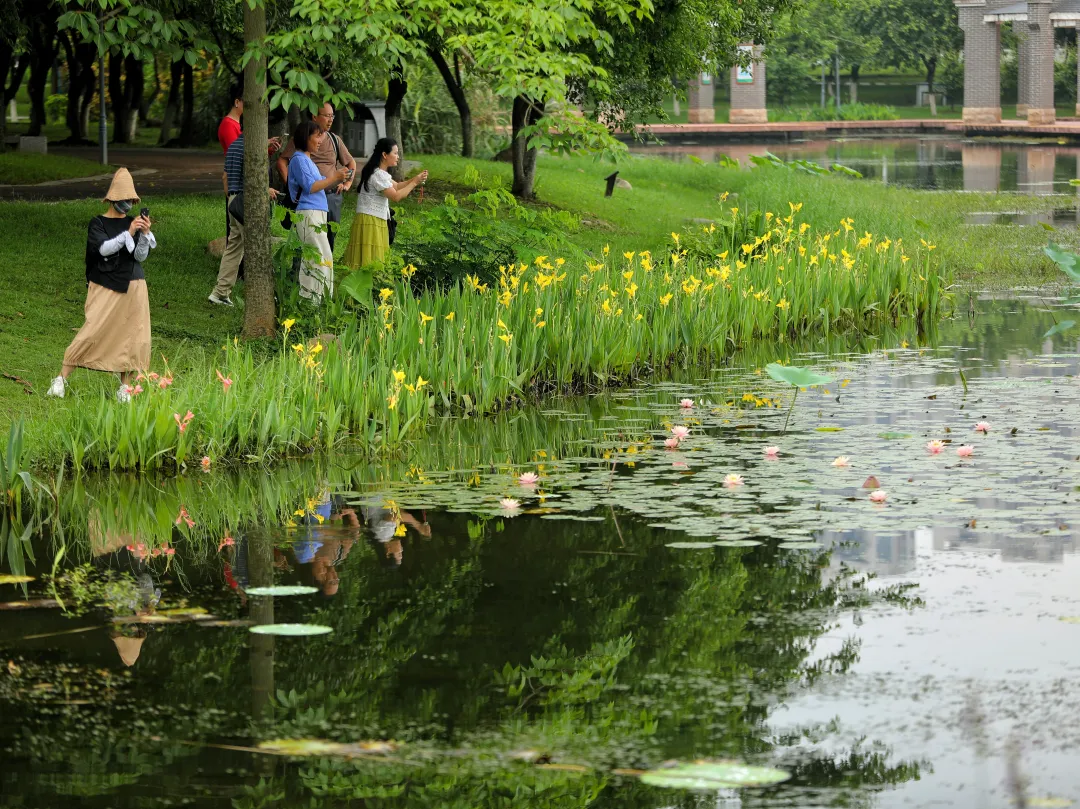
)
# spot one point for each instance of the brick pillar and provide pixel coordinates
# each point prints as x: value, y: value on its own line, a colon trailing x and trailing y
x: 982, y: 63
x: 699, y: 96
x: 1023, y: 69
x: 1040, y: 46
x: 748, y: 90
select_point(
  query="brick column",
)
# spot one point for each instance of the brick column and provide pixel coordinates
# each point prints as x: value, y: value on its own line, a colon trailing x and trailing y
x: 1023, y: 69
x: 748, y: 90
x: 1040, y: 47
x: 699, y: 96
x: 982, y: 63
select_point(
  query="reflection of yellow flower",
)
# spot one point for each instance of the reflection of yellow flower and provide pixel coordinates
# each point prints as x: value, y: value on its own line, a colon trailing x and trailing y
x: 400, y: 530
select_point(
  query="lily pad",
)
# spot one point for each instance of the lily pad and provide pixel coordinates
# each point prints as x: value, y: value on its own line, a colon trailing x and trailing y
x: 695, y: 546
x: 799, y: 546
x: 894, y: 436
x: 1060, y: 327
x: 321, y: 747
x: 737, y: 543
x: 283, y: 590
x: 799, y: 377
x: 706, y: 775
x: 292, y: 630
x: 9, y: 579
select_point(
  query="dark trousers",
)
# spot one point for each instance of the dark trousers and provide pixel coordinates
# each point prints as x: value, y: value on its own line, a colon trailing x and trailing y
x: 333, y: 203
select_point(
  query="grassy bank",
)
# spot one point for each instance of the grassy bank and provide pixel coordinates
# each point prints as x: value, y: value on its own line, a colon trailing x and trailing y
x: 43, y: 289
x: 19, y: 168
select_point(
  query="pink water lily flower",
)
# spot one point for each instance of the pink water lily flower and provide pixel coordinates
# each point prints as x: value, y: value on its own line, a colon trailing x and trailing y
x: 982, y: 427
x: 680, y: 432
x: 772, y: 453
x: 686, y: 404
x: 841, y: 462
x: 205, y: 463
x: 965, y: 451
x: 733, y: 480
x: 509, y: 504
x: 671, y: 443
x: 528, y: 478
x: 878, y: 496
x: 226, y: 383
x: 935, y: 447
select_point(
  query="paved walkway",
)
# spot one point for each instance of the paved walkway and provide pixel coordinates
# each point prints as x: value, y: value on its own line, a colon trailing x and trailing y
x: 172, y: 171
x: 1065, y: 128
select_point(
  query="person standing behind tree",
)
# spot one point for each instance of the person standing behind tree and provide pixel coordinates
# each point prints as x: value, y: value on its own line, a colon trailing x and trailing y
x: 308, y: 188
x: 234, y: 245
x: 369, y: 239
x: 330, y: 156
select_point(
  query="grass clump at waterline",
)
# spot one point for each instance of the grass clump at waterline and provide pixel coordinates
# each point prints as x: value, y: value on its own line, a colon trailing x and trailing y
x: 554, y: 324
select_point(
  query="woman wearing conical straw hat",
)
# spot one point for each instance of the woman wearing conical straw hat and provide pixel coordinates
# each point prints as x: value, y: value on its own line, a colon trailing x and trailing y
x: 116, y: 334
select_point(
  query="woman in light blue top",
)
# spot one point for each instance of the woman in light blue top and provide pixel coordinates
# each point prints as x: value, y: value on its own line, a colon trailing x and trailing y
x: 307, y: 187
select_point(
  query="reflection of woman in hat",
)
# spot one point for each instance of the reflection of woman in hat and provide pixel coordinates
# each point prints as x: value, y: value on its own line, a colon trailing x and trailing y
x: 116, y: 334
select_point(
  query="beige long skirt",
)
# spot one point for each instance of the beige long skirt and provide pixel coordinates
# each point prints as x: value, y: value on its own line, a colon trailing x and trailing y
x: 116, y: 334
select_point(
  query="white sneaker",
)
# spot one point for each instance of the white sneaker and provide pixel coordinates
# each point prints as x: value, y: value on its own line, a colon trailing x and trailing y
x: 219, y: 301
x: 122, y: 394
x: 56, y: 388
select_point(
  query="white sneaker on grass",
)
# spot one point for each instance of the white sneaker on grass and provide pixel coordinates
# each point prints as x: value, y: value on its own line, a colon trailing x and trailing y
x: 123, y: 395
x: 219, y: 301
x: 57, y: 388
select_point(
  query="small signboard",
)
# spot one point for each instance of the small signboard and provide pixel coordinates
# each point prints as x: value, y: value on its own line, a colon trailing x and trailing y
x: 745, y: 74
x: 706, y: 78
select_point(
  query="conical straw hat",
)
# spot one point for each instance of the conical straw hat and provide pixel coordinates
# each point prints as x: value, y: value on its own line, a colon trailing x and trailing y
x: 121, y: 187
x: 129, y: 649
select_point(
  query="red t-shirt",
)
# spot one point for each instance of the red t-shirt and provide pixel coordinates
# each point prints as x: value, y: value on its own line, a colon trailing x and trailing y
x: 228, y: 131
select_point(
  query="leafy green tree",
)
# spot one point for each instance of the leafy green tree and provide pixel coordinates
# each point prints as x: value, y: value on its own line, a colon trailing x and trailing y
x: 912, y: 32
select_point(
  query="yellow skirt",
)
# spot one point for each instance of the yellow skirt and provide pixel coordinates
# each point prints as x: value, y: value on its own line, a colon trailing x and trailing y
x: 369, y: 241
x: 116, y: 334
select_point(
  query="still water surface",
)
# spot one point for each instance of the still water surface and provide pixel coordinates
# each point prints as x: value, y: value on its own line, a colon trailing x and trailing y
x: 932, y: 162
x: 924, y: 651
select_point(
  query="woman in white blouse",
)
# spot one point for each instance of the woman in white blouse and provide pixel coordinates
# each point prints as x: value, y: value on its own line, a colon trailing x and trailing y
x: 369, y: 239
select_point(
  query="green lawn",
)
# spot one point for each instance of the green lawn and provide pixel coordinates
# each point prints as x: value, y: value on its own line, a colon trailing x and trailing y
x: 43, y: 287
x: 17, y: 168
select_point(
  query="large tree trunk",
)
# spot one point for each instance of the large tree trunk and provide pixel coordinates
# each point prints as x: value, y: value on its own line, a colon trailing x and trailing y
x: 931, y: 70
x: 172, y: 102
x: 525, y: 113
x: 7, y: 60
x: 187, y: 121
x: 453, y: 81
x: 135, y: 87
x: 260, y: 316
x: 41, y: 38
x: 80, y: 61
x: 395, y: 94
x: 149, y: 98
x: 89, y: 91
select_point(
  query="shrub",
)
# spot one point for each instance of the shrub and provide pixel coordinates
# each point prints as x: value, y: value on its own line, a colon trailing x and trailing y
x: 56, y: 108
x: 848, y: 112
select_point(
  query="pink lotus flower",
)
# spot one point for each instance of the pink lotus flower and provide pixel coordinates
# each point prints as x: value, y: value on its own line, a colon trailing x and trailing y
x: 679, y: 465
x: 671, y: 443
x: 965, y: 451
x: 841, y: 462
x: 680, y: 432
x: 205, y: 463
x: 509, y: 504
x: 935, y: 447
x: 184, y: 517
x: 226, y: 383
x: 772, y: 453
x: 686, y: 404
x: 982, y: 427
x: 733, y: 480
x: 528, y: 478
x: 164, y: 382
x: 878, y: 496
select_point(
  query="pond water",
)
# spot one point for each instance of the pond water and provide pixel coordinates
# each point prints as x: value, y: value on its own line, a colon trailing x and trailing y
x: 632, y: 610
x: 932, y: 162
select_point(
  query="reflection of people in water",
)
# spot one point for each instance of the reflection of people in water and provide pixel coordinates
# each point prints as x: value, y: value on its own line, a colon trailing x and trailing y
x: 327, y: 543
x: 133, y: 594
x: 388, y: 525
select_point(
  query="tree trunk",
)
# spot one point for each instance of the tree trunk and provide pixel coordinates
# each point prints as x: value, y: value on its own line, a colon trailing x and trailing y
x: 395, y: 94
x: 117, y: 98
x: 134, y: 88
x: 931, y: 69
x: 260, y: 315
x: 187, y: 120
x: 148, y: 99
x: 172, y: 102
x: 525, y: 113
x: 89, y: 91
x: 7, y: 60
x: 80, y: 58
x: 260, y: 552
x: 41, y: 39
x: 452, y: 78
x: 855, y: 73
